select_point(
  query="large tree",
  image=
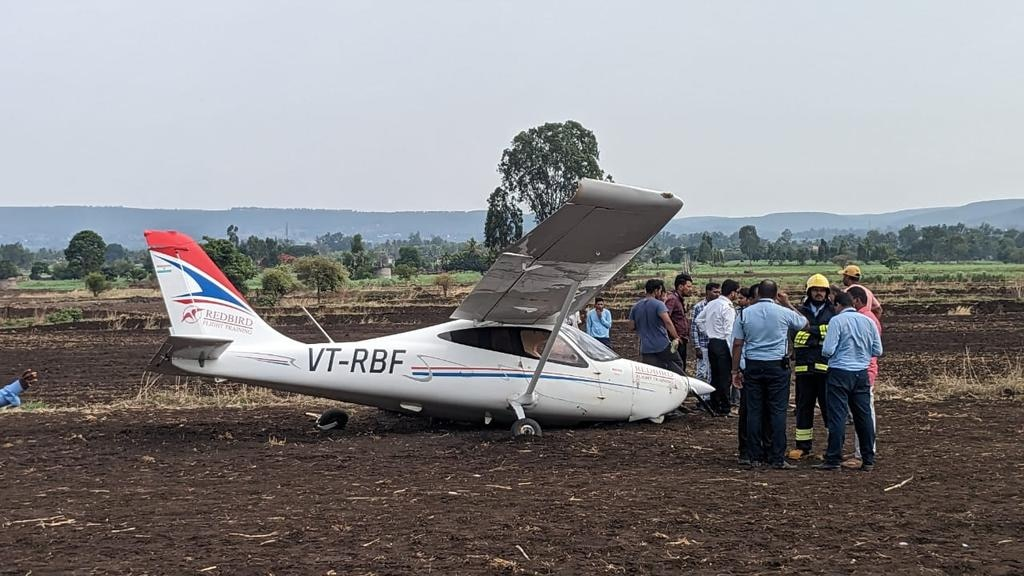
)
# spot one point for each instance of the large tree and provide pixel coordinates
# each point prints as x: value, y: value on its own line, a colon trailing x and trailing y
x: 543, y: 166
x: 320, y: 273
x: 237, y: 267
x: 85, y: 253
x: 504, y: 224
x: 750, y: 242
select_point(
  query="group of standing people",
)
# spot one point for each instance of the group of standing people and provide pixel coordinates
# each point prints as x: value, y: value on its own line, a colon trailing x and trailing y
x: 748, y: 342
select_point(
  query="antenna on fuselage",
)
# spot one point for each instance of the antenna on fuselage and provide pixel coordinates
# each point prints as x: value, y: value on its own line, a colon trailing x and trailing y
x: 317, y: 324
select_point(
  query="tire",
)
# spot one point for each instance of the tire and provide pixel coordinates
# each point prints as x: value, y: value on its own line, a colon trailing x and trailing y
x: 332, y: 419
x: 526, y: 427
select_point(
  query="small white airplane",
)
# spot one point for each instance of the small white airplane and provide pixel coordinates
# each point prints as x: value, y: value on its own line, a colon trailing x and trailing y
x: 506, y: 356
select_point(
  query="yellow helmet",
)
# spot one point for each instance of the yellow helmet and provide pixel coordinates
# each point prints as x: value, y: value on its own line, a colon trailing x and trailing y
x: 817, y: 281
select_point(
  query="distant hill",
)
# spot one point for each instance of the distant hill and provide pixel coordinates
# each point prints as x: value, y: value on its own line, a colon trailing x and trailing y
x: 998, y: 213
x: 52, y: 227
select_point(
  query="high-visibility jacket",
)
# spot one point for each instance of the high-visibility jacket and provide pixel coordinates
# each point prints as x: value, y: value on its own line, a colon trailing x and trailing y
x: 807, y: 343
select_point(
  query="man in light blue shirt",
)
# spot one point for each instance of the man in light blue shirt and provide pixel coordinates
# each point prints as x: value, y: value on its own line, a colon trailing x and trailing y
x: 599, y: 322
x: 852, y: 339
x: 10, y: 395
x: 761, y: 337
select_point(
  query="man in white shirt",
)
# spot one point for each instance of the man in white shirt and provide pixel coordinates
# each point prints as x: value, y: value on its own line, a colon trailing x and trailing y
x: 716, y: 321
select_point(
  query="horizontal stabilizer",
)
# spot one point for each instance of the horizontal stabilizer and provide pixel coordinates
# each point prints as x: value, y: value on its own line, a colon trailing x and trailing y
x: 200, y: 348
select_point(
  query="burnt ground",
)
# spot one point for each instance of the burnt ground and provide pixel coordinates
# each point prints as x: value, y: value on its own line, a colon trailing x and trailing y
x: 252, y: 491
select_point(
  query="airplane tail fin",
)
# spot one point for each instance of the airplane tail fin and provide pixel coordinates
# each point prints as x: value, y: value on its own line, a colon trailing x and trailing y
x: 200, y: 300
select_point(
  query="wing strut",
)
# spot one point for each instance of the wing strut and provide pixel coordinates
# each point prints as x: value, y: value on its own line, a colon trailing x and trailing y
x: 528, y: 398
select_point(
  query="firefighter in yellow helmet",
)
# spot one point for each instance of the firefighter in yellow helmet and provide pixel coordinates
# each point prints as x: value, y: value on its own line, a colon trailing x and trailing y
x: 809, y: 365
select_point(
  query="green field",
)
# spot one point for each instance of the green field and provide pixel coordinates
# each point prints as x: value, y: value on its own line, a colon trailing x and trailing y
x: 791, y: 273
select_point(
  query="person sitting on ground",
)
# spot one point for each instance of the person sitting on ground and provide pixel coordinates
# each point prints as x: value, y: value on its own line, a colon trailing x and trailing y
x: 10, y: 395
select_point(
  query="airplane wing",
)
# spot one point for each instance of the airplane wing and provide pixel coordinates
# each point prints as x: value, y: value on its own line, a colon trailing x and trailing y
x: 588, y: 240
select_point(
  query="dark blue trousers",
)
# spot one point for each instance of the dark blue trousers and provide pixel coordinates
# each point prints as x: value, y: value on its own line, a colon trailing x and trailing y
x: 766, y: 388
x: 849, y: 392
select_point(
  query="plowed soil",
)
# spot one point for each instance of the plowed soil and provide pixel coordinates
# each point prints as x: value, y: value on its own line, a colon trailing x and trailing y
x: 91, y: 490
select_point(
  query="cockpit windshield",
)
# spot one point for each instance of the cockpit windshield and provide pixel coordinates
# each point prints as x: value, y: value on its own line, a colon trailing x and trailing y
x: 587, y: 344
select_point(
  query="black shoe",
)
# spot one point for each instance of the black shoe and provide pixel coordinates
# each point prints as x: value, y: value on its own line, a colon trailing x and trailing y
x: 829, y: 466
x: 866, y: 467
x: 783, y: 466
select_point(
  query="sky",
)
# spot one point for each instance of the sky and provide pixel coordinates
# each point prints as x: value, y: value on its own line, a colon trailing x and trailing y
x: 740, y: 108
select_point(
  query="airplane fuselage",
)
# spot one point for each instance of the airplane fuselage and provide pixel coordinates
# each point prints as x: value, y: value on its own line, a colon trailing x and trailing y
x: 426, y: 372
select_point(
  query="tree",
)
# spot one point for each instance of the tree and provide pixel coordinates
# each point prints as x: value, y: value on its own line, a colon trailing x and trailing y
x: 320, y: 273
x: 85, y: 253
x: 8, y: 270
x: 275, y: 283
x: 675, y: 255
x: 233, y: 235
x: 96, y: 282
x: 409, y: 256
x: 750, y: 242
x: 237, y: 267
x: 38, y: 270
x: 543, y: 165
x: 504, y: 222
x: 823, y: 251
x: 114, y: 252
x: 706, y: 250
x: 405, y: 271
x: 444, y: 281
x: 16, y: 254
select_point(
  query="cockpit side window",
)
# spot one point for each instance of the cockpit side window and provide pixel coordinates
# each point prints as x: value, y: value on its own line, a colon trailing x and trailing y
x: 525, y: 342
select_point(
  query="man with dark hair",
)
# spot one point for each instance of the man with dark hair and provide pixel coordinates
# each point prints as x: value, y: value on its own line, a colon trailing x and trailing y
x: 10, y: 395
x: 851, y: 341
x: 762, y: 337
x: 698, y: 337
x: 860, y: 302
x: 676, y: 304
x: 599, y: 322
x: 810, y: 366
x: 649, y: 318
x: 716, y: 321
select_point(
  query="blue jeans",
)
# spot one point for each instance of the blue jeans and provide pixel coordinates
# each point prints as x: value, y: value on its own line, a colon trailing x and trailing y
x: 766, y: 390
x: 849, y: 392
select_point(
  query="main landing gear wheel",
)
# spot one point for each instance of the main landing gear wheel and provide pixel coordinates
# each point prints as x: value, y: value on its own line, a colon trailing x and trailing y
x: 332, y: 419
x: 526, y: 427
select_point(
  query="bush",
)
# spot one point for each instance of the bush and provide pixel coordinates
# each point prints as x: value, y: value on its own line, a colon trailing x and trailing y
x: 445, y: 282
x: 275, y: 283
x: 96, y: 282
x: 64, y: 315
x: 405, y: 271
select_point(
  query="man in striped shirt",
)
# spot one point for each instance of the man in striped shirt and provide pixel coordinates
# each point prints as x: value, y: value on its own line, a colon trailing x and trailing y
x: 698, y: 336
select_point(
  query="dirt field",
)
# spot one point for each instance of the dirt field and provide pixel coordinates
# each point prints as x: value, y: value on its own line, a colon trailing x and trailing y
x: 257, y: 491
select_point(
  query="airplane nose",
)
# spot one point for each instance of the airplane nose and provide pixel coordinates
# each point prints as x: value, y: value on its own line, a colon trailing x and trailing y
x: 699, y: 387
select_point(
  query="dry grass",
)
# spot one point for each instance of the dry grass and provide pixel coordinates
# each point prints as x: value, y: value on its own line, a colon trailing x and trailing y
x: 960, y: 311
x: 964, y: 382
x: 193, y: 392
